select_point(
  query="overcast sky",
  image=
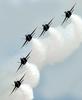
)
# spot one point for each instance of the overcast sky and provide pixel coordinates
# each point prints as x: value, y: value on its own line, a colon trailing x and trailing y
x: 60, y: 81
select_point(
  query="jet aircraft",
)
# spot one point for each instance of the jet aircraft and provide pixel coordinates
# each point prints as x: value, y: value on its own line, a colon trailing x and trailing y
x: 24, y: 60
x: 17, y: 84
x: 68, y: 14
x: 29, y: 37
x: 46, y: 27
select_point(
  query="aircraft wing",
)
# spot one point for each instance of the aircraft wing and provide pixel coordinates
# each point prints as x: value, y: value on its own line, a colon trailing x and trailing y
x: 51, y: 21
x: 19, y: 67
x: 33, y: 31
x: 22, y: 77
x: 63, y: 21
x: 41, y: 33
x: 28, y: 54
x: 24, y: 44
x: 73, y: 7
x: 12, y: 91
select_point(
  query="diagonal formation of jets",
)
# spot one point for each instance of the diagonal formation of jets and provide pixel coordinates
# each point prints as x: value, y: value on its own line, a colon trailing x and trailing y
x: 29, y: 38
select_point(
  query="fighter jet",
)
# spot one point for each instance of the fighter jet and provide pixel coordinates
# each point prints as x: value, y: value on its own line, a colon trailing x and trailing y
x: 46, y: 27
x: 29, y: 37
x: 68, y: 14
x: 23, y: 60
x: 17, y: 84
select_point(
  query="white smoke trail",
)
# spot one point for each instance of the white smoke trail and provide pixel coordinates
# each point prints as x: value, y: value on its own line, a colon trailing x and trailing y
x: 55, y: 48
x: 38, y: 53
x: 33, y: 75
x: 27, y: 92
x: 59, y: 45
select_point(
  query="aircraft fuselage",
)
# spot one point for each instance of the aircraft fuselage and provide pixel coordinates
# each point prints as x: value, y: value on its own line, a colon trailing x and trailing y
x: 28, y: 37
x: 23, y: 61
x: 17, y: 84
x: 68, y: 14
x: 45, y: 27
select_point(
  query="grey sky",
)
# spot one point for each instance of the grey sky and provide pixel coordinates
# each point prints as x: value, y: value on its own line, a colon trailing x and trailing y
x: 60, y: 81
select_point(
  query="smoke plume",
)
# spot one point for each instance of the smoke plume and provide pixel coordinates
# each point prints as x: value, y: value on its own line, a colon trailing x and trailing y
x: 27, y: 92
x: 60, y: 44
